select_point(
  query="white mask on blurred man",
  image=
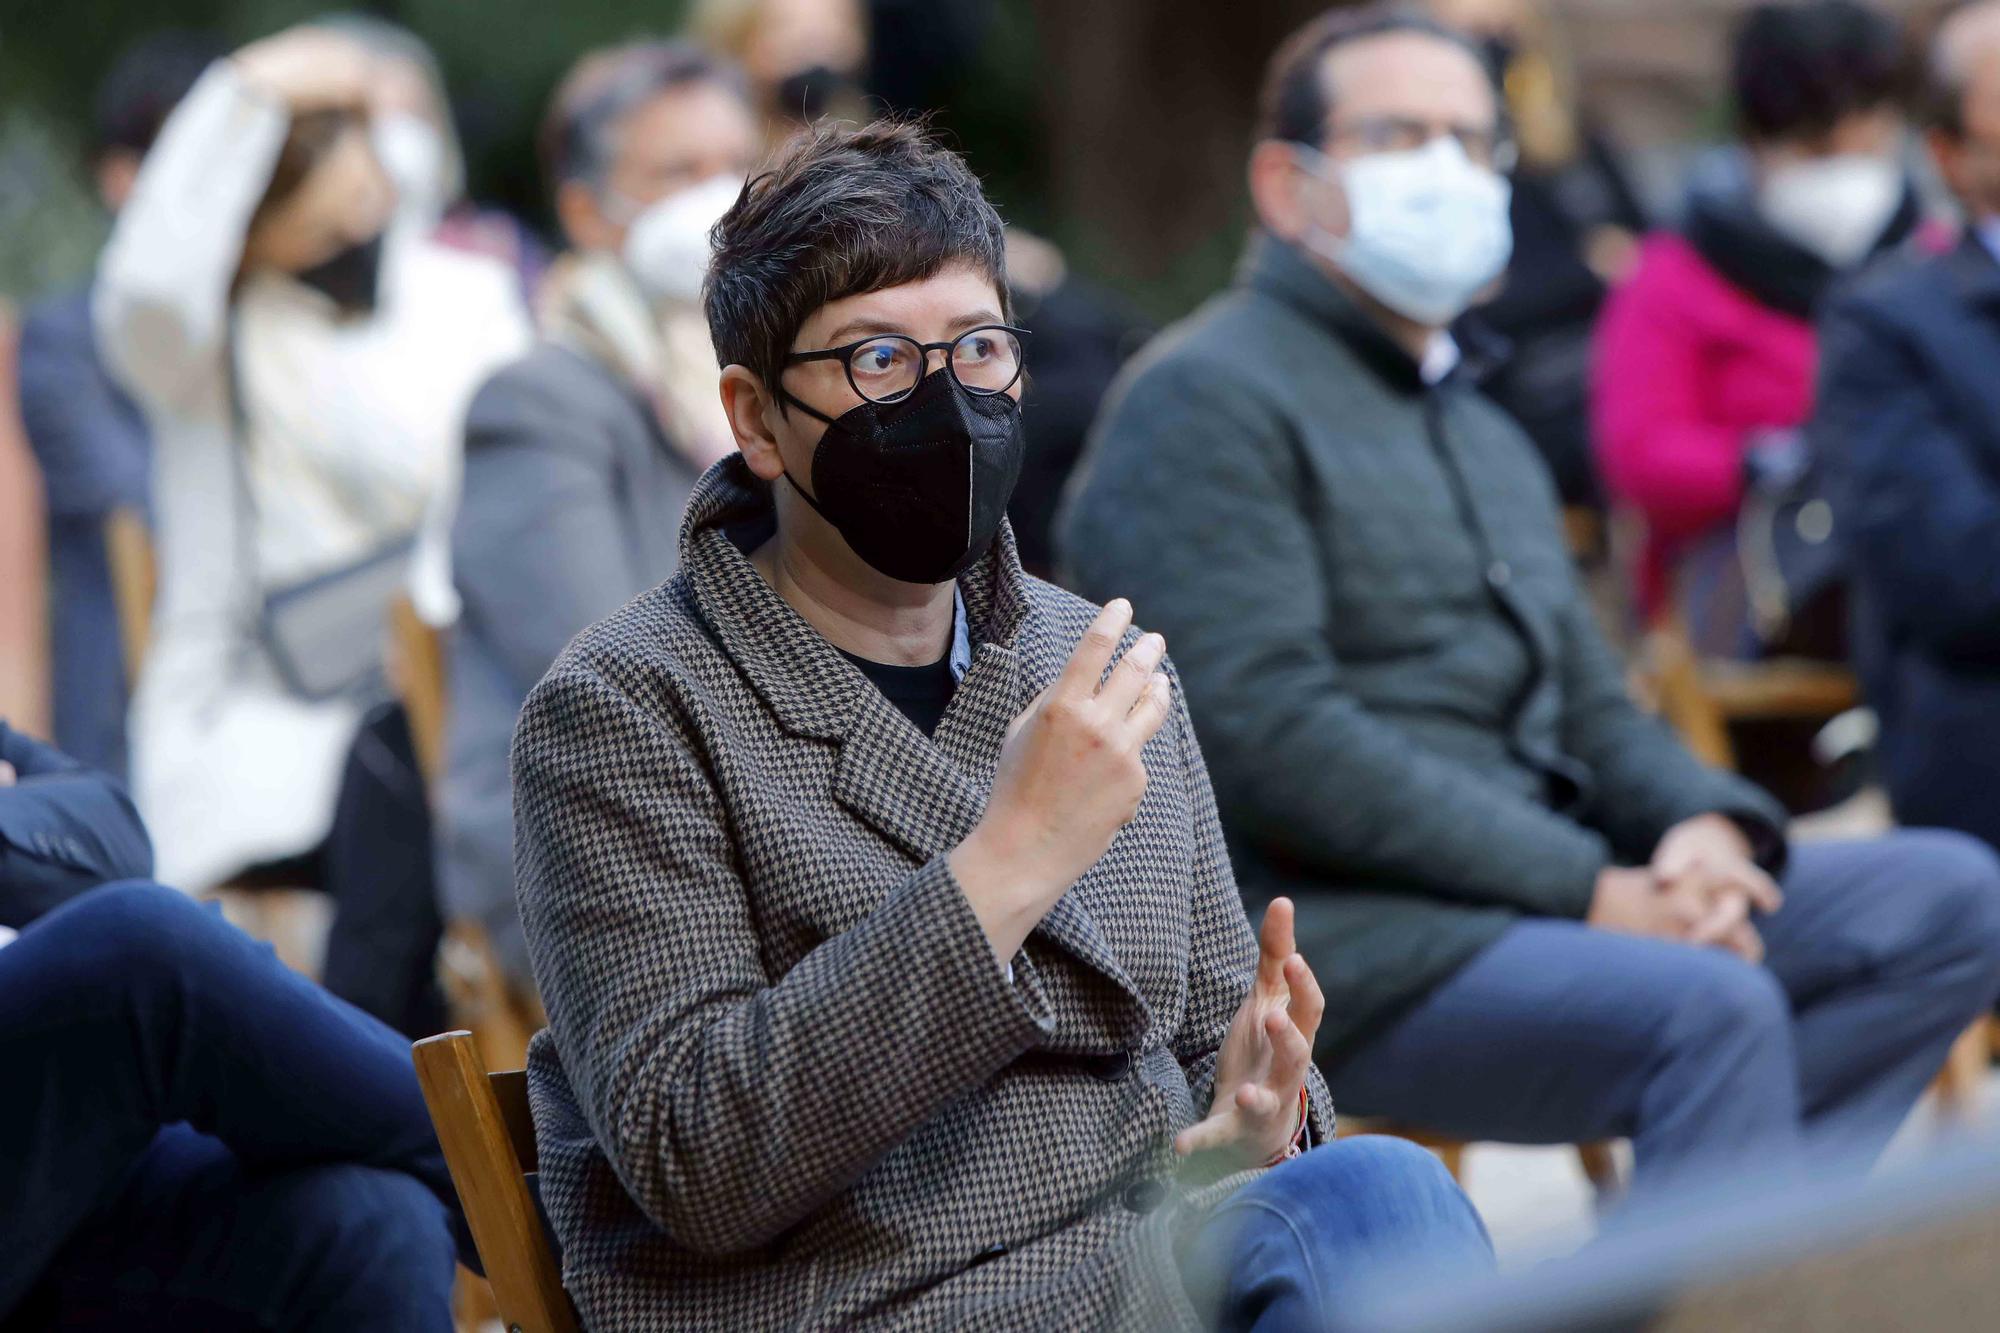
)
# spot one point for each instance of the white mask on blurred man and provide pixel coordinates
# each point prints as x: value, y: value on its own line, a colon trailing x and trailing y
x: 1837, y: 207
x: 1427, y: 228
x: 413, y: 153
x: 667, y: 247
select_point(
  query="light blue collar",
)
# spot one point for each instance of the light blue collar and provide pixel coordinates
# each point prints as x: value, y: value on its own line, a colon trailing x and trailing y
x: 1989, y: 234
x: 961, y: 637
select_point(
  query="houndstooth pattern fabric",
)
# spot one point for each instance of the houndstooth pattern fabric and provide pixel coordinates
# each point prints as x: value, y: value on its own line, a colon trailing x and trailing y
x: 785, y: 1084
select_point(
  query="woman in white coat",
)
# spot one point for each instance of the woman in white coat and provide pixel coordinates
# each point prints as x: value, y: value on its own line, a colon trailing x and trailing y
x: 305, y: 366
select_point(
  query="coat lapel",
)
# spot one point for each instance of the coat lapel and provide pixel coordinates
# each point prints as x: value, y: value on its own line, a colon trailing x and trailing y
x: 907, y: 788
x: 924, y: 794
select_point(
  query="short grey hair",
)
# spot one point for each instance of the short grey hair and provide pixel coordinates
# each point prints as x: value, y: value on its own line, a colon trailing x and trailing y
x: 1945, y: 68
x: 579, y: 134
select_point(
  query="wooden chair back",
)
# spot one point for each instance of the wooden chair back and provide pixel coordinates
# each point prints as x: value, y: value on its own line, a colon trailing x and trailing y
x: 1700, y: 699
x: 488, y: 1135
x: 477, y: 990
x: 417, y: 673
x: 135, y: 581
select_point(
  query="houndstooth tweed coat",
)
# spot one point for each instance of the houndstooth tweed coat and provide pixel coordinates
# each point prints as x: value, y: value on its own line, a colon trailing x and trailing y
x: 785, y: 1083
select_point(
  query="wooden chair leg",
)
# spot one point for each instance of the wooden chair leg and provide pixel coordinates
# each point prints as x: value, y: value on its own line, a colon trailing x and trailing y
x: 1453, y: 1157
x: 473, y: 1308
x: 1961, y: 1083
x: 1600, y: 1168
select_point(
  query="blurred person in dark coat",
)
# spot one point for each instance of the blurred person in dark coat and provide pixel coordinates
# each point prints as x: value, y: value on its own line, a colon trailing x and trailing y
x: 580, y: 457
x: 1908, y: 430
x: 1576, y: 223
x: 198, y: 1138
x: 1540, y: 918
x: 89, y: 438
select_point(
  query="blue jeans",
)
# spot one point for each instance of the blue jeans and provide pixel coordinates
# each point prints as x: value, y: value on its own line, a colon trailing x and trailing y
x: 1287, y: 1250
x: 193, y: 1136
x: 1556, y: 1033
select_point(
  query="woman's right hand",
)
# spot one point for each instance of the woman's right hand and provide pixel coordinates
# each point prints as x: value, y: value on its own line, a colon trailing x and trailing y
x: 308, y: 69
x: 1070, y: 776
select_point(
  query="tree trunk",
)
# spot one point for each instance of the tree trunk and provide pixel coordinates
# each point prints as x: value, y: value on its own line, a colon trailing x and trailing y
x: 1150, y: 105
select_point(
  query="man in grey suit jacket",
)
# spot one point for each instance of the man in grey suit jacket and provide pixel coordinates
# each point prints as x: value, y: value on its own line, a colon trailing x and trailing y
x: 895, y: 972
x: 579, y: 458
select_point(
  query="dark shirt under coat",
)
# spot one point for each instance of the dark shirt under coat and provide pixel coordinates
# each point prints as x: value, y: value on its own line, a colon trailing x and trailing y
x: 1413, y: 721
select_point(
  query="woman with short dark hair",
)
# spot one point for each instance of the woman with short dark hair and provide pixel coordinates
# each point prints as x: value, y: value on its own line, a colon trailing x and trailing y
x: 894, y: 967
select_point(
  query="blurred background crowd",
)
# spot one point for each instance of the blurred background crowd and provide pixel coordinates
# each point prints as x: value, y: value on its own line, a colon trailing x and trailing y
x: 284, y: 341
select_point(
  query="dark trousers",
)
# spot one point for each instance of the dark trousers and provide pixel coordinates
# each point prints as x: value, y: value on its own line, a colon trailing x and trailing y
x: 1293, y: 1248
x: 378, y: 866
x: 1883, y: 952
x: 194, y: 1137
x: 379, y: 869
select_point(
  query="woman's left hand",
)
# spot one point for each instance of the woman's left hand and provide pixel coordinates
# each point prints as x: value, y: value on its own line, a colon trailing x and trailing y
x: 1254, y: 1113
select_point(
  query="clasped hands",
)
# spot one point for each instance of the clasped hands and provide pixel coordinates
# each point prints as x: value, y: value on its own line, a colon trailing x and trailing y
x: 1700, y: 888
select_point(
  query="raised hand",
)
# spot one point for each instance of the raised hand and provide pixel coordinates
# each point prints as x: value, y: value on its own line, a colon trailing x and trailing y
x: 1254, y: 1112
x: 309, y: 69
x: 1069, y: 777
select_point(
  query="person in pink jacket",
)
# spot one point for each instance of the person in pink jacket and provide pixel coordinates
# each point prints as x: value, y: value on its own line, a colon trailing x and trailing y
x: 1706, y: 356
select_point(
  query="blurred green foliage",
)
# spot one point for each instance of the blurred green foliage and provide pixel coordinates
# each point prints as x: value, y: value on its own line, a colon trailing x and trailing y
x: 501, y: 59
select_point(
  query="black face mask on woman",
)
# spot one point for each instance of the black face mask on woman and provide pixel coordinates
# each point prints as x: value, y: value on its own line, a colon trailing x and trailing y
x: 351, y: 278
x: 918, y: 486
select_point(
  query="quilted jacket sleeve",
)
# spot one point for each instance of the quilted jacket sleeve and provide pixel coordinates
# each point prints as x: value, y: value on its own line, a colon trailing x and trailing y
x: 731, y: 1103
x: 1222, y: 945
x: 1647, y: 781
x: 1192, y: 506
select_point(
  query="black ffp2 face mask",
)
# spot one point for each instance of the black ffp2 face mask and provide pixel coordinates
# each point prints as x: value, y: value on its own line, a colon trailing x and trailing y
x: 918, y: 486
x: 351, y: 279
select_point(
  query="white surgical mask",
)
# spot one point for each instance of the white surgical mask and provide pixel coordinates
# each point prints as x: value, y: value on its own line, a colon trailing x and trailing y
x: 667, y: 248
x: 1427, y: 228
x: 413, y: 153
x: 1836, y: 207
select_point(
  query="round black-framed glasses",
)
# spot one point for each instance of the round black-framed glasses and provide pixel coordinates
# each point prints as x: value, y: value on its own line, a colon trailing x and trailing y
x: 885, y: 367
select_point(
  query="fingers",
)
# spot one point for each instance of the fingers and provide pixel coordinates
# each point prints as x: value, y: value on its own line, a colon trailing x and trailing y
x: 1093, y: 652
x: 1712, y: 875
x: 1685, y: 907
x: 1746, y: 944
x: 1259, y: 1101
x: 1218, y: 1131
x: 1764, y: 893
x: 1308, y: 1005
x: 1275, y: 944
x: 1155, y: 706
x: 1034, y: 706
x: 1291, y: 1056
x: 1730, y: 911
x: 6, y: 774
x: 1132, y: 675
